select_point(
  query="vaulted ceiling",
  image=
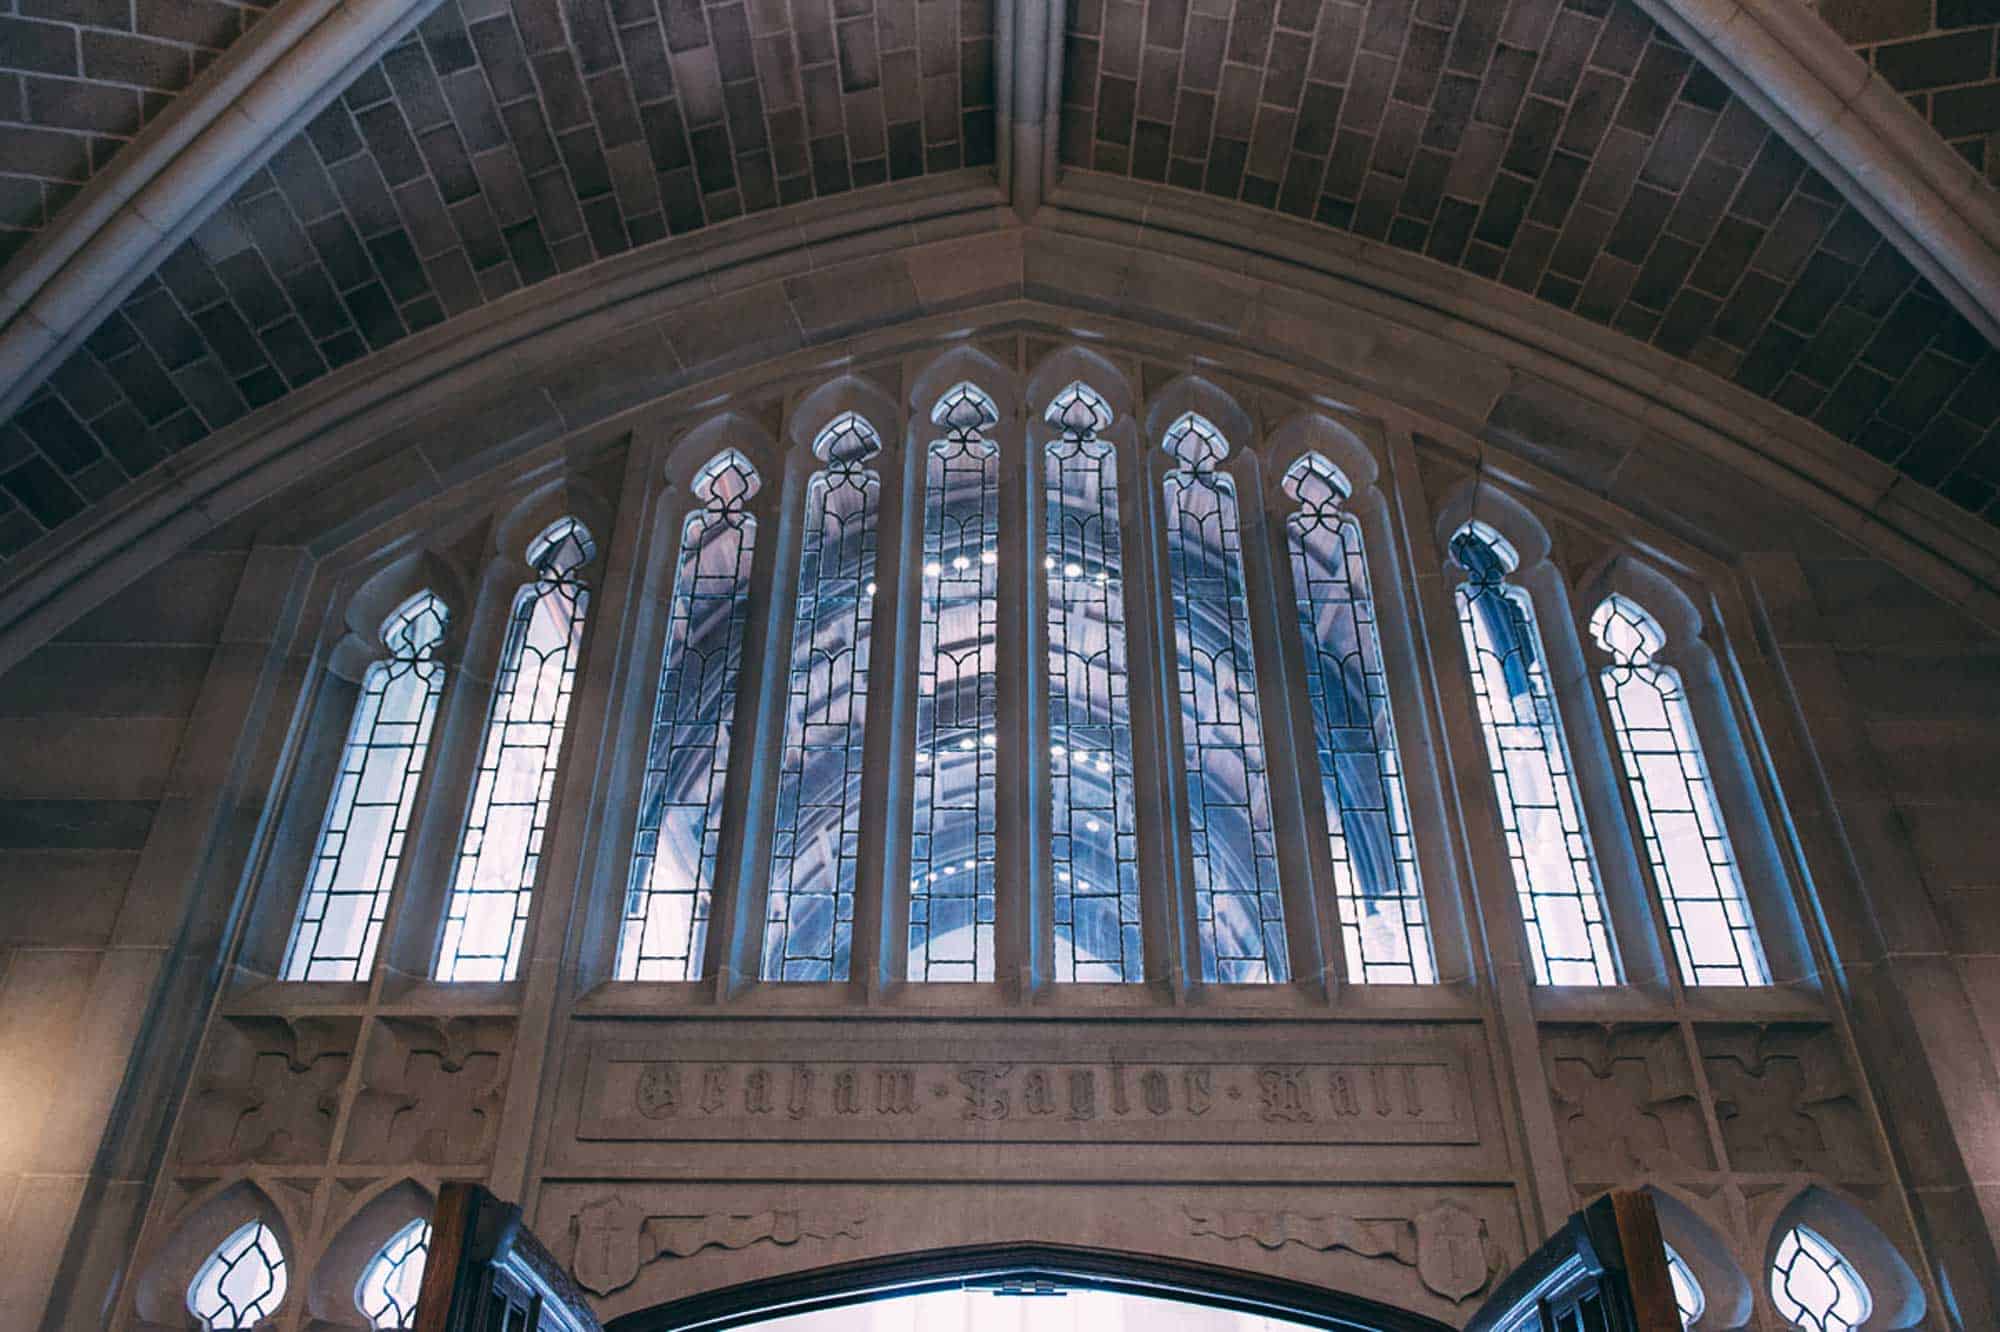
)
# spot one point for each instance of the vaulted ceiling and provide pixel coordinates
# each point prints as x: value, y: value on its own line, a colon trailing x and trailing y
x: 1570, y: 149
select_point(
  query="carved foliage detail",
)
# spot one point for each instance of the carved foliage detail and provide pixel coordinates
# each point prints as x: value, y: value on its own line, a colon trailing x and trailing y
x: 1786, y: 1100
x: 269, y: 1091
x: 1626, y: 1102
x: 1450, y: 1247
x: 431, y: 1091
x: 615, y: 1238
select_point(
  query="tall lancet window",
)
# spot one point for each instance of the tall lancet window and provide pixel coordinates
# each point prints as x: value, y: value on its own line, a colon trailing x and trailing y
x: 809, y: 911
x: 1555, y: 876
x: 665, y: 930
x: 1093, y: 841
x: 952, y: 837
x: 1687, y: 843
x: 1238, y: 913
x: 500, y: 847
x: 1383, y: 928
x: 361, y: 836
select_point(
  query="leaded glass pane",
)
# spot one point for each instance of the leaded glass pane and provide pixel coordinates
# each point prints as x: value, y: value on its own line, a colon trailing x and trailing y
x: 952, y: 837
x: 1239, y: 917
x: 1093, y: 840
x: 1814, y: 1288
x: 1548, y: 846
x: 243, y: 1282
x: 1687, y: 844
x: 809, y: 911
x: 387, y: 1291
x: 667, y: 896
x: 1688, y: 1297
x: 1383, y: 927
x: 501, y: 845
x: 368, y: 814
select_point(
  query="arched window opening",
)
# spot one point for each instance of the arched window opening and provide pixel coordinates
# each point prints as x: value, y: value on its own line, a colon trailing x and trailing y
x: 387, y: 1291
x: 367, y: 817
x: 1548, y: 845
x: 500, y: 846
x: 1094, y: 836
x: 664, y: 934
x: 243, y: 1282
x: 1239, y: 915
x: 1814, y: 1288
x: 1380, y: 897
x: 809, y: 911
x: 1688, y: 1297
x: 1680, y: 818
x: 954, y: 824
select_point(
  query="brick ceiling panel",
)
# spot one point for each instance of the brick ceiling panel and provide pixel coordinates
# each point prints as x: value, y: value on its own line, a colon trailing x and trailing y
x: 79, y: 78
x: 496, y: 146
x: 1567, y: 148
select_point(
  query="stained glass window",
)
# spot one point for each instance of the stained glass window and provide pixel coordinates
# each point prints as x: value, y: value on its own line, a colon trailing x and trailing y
x: 368, y: 816
x: 1376, y: 885
x: 1548, y: 846
x: 501, y: 845
x: 1814, y: 1288
x: 242, y: 1283
x: 387, y: 1291
x: 809, y: 911
x: 1688, y: 1297
x: 1094, y: 839
x: 667, y: 896
x: 952, y: 838
x: 1679, y: 816
x: 1239, y: 917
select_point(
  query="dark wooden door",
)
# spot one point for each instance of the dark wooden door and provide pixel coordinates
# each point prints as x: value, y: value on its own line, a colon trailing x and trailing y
x: 1604, y: 1271
x: 488, y: 1273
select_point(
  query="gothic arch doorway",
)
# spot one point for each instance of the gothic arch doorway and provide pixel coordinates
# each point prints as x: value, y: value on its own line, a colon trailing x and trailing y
x: 1605, y: 1268
x: 1105, y: 1279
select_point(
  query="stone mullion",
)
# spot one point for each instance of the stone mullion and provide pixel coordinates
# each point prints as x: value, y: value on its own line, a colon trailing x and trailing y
x: 1024, y: 939
x: 774, y: 585
x: 420, y: 895
x: 1495, y: 942
x: 1291, y: 756
x: 573, y: 842
x: 743, y: 850
x: 885, y: 779
x: 1159, y: 782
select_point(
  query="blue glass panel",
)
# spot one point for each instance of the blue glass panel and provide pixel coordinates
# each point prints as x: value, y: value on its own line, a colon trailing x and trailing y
x: 952, y: 837
x: 1380, y: 898
x: 500, y: 848
x: 665, y: 931
x: 809, y: 910
x: 1686, y: 841
x: 1239, y: 915
x: 1555, y: 876
x: 1094, y: 841
x: 368, y: 815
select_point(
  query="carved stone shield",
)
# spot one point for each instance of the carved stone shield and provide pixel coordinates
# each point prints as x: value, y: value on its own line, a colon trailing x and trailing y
x: 1451, y: 1251
x: 607, y: 1244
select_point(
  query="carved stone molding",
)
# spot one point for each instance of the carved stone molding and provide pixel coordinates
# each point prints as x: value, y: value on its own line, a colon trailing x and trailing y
x: 1786, y: 1100
x: 1626, y: 1103
x: 431, y: 1091
x: 1449, y: 1247
x: 614, y: 1238
x: 269, y: 1091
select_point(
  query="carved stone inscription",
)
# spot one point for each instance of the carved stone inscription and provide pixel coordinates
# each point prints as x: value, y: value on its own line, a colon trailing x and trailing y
x: 640, y: 1092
